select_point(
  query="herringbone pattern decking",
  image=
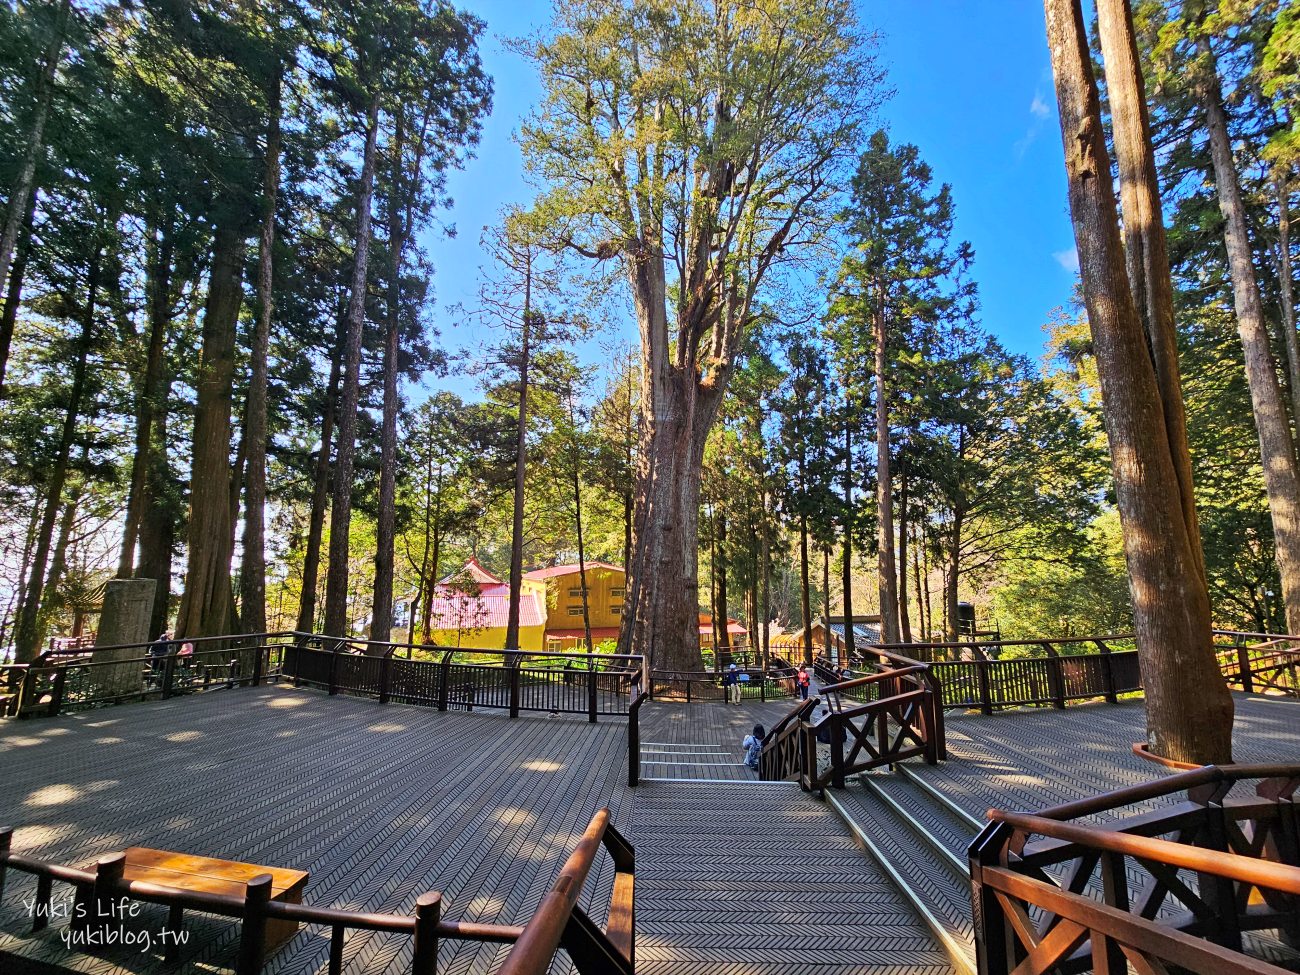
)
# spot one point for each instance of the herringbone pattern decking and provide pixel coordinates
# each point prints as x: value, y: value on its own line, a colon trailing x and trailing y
x: 742, y: 878
x: 381, y: 803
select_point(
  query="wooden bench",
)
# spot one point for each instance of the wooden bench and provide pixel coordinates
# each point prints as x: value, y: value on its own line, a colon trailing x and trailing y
x: 185, y: 871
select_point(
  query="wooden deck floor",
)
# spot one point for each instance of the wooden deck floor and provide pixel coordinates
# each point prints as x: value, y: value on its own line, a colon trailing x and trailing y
x: 702, y: 741
x: 1028, y: 759
x: 381, y: 803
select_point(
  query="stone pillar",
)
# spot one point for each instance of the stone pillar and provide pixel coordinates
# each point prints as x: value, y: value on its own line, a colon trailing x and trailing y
x: 128, y: 606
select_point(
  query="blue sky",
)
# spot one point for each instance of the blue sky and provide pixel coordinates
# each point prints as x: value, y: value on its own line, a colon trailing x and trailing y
x: 973, y: 92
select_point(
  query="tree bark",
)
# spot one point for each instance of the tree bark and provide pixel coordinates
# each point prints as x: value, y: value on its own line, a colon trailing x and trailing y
x: 847, y: 568
x: 1145, y: 248
x: 336, y: 582
x: 724, y: 633
x: 159, y: 289
x: 23, y: 188
x: 521, y: 469
x: 1277, y: 449
x: 319, y: 498
x: 158, y: 518
x: 1286, y: 288
x: 252, y: 573
x: 206, y: 605
x: 904, y: 615
x: 886, y: 566
x: 27, y: 631
x: 805, y: 595
x: 14, y: 292
x: 1189, y: 710
x: 381, y: 614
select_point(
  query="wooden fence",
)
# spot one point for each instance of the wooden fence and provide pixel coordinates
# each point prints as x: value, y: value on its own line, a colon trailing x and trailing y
x: 558, y: 921
x: 1084, y: 897
x: 1053, y: 673
x: 872, y: 721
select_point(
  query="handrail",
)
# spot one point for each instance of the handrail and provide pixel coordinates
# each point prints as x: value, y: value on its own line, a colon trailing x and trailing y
x: 872, y: 678
x: 1178, y: 782
x: 540, y: 934
x: 553, y: 922
x: 1231, y: 866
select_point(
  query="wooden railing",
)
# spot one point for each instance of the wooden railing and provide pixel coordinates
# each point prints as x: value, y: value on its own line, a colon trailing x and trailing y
x: 871, y: 721
x: 132, y: 673
x: 591, y: 949
x: 877, y: 720
x: 1260, y: 662
x: 551, y: 683
x: 701, y: 687
x: 784, y: 754
x: 517, y: 682
x: 560, y: 923
x: 1056, y: 672
x: 1108, y: 896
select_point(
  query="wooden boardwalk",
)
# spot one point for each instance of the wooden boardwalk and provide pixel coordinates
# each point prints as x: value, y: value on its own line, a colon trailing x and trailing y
x: 383, y: 802
x: 702, y: 741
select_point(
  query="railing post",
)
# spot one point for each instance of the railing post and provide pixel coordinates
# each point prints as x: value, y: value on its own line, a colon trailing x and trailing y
x: 428, y: 912
x: 169, y: 675
x: 108, y: 872
x: 252, y: 936
x: 444, y: 676
x: 258, y: 668
x: 514, y: 687
x: 1107, y: 671
x: 634, y: 744
x: 688, y: 690
x: 591, y: 693
x: 334, y: 672
x: 385, y: 677
x: 60, y: 684
x: 762, y: 688
x: 1055, y: 679
x: 837, y: 729
x: 6, y: 844
x: 994, y: 941
x: 982, y: 675
x: 1243, y: 668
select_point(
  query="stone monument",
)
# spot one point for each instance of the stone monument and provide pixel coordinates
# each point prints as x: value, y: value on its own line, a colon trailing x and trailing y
x: 128, y: 607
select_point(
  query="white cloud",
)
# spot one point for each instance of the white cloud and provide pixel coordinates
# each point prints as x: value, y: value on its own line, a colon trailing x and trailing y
x: 1038, y: 108
x: 1068, y: 259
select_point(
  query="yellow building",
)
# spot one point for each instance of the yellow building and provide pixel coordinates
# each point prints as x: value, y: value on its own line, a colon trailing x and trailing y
x: 470, y: 609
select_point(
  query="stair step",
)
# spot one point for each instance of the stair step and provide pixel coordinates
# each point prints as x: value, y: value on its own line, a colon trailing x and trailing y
x: 920, y: 843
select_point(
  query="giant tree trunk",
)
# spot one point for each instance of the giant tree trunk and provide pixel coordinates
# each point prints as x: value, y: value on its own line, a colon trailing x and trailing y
x: 206, y: 605
x: 1277, y: 449
x: 319, y: 498
x: 158, y: 515
x: 1145, y: 248
x: 661, y: 612
x: 1286, y: 288
x: 27, y: 631
x: 886, y: 566
x: 252, y: 575
x: 22, y: 190
x: 159, y: 290
x: 336, y: 583
x: 1189, y: 710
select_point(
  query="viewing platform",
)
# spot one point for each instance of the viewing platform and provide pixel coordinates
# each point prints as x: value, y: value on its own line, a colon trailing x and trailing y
x: 380, y: 802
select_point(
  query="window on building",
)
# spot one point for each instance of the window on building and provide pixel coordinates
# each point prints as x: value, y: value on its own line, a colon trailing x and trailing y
x: 616, y: 609
x: 576, y: 592
x: 618, y: 592
x: 575, y: 610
